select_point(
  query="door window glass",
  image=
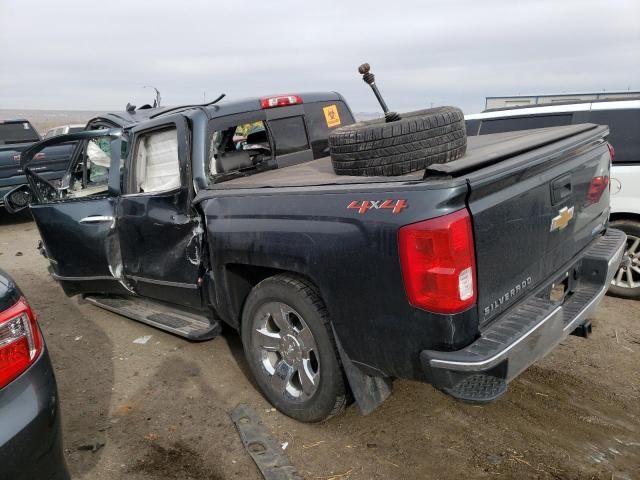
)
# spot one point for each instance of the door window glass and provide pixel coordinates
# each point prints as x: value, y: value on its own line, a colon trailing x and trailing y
x: 624, y: 132
x: 157, y: 165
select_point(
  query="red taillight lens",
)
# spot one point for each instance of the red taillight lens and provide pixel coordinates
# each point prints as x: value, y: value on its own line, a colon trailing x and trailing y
x: 280, y: 101
x: 596, y: 188
x: 612, y: 151
x: 438, y: 263
x: 20, y: 341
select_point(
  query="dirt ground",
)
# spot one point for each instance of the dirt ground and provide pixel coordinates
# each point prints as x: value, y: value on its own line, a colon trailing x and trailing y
x: 161, y: 408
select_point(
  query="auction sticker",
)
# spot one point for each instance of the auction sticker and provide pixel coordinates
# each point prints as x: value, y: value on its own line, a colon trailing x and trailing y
x: 331, y: 116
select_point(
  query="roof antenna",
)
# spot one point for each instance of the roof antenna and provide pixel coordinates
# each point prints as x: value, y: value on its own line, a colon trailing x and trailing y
x: 156, y: 102
x: 220, y: 97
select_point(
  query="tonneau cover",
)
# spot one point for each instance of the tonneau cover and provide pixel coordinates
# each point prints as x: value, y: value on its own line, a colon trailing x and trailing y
x: 481, y: 151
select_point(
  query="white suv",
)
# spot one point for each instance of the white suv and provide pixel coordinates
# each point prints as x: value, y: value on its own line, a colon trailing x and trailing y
x: 623, y: 119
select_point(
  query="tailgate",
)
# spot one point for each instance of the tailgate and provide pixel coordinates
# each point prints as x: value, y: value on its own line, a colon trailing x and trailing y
x: 532, y: 213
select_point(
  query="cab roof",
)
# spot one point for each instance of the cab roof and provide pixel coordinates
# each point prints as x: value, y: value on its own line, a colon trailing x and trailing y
x: 129, y: 118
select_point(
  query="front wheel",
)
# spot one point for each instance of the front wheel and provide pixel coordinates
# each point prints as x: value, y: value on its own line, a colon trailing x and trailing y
x: 626, y: 282
x: 290, y: 349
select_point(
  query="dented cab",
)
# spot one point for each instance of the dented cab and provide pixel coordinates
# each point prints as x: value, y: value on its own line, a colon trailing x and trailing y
x: 122, y: 221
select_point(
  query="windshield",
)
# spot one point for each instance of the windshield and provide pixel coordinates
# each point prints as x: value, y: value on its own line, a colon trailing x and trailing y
x: 17, y: 132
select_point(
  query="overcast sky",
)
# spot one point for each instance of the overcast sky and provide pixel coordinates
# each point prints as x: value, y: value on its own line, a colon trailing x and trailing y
x: 97, y: 55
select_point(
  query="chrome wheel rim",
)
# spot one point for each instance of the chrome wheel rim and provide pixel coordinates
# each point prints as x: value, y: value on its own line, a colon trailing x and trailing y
x: 628, y: 276
x: 287, y: 350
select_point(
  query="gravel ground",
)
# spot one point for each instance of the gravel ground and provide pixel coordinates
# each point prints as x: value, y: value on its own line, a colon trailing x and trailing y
x: 161, y: 408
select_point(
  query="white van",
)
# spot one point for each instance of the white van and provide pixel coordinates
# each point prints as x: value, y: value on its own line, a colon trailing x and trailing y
x: 623, y: 119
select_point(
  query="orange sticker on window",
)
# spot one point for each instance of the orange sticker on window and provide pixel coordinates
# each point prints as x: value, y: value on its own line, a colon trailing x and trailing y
x: 331, y: 115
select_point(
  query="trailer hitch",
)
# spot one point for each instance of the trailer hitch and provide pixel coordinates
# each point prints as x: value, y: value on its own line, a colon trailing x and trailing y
x: 370, y: 79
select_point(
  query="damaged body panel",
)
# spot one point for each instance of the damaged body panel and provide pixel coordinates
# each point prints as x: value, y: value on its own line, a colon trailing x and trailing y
x: 232, y: 213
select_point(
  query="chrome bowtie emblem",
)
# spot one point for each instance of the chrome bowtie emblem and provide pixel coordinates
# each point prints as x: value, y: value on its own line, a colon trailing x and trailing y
x: 562, y: 220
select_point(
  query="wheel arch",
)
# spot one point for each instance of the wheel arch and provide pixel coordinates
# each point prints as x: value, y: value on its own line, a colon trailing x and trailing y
x: 624, y: 216
x: 239, y: 280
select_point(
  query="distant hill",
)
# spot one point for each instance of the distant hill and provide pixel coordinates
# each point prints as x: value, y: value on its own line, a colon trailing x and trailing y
x: 43, y: 120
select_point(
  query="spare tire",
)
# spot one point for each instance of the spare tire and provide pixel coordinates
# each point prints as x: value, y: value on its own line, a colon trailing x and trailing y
x: 417, y: 140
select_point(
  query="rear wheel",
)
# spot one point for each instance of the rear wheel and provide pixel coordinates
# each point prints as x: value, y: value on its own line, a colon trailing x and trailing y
x: 290, y: 349
x: 626, y: 282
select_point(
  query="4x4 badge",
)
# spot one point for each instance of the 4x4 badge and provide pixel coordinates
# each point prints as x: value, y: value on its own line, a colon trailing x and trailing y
x: 562, y: 220
x: 396, y: 206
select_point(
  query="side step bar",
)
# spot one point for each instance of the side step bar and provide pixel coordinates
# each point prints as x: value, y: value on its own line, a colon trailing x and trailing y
x: 160, y: 315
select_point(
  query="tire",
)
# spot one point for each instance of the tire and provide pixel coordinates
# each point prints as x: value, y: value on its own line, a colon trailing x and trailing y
x: 625, y: 280
x: 417, y: 140
x: 317, y: 389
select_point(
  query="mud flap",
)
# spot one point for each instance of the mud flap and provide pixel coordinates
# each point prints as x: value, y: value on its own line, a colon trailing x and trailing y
x: 369, y: 392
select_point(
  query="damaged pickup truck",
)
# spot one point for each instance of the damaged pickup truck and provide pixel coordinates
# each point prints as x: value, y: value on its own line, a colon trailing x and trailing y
x: 460, y: 274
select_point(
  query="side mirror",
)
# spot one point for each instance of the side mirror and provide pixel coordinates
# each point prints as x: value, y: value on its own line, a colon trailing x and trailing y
x: 17, y: 199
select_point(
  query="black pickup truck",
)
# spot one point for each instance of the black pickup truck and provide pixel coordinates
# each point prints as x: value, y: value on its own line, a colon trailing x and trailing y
x: 15, y: 137
x: 460, y: 274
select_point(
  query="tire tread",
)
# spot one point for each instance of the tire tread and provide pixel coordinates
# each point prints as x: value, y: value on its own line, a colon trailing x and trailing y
x: 414, y: 142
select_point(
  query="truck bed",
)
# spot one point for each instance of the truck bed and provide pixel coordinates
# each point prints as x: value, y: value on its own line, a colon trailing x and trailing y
x: 482, y: 151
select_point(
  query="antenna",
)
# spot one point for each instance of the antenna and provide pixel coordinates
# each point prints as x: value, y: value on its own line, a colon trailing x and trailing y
x: 156, y: 102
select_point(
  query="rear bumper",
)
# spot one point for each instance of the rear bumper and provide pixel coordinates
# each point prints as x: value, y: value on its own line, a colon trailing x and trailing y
x: 481, y: 371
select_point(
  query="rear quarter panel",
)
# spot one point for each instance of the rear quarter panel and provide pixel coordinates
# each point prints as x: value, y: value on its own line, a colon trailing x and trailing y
x: 351, y: 257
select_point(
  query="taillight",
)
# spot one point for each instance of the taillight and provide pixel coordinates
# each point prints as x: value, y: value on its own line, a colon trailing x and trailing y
x: 612, y: 151
x: 596, y: 188
x: 438, y: 263
x: 20, y: 341
x: 280, y: 101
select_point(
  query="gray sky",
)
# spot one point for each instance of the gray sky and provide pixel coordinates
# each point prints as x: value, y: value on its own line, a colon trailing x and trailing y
x: 97, y: 55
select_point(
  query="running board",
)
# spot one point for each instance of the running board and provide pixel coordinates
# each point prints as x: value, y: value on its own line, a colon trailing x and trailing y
x: 159, y: 315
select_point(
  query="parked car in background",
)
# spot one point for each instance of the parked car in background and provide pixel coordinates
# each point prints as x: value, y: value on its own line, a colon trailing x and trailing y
x: 63, y: 130
x: 52, y: 162
x: 461, y: 274
x: 30, y: 431
x: 623, y: 119
x: 15, y: 137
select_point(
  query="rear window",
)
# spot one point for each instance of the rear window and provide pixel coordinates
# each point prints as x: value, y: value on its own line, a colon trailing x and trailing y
x: 512, y: 124
x: 322, y: 118
x: 17, y: 132
x: 624, y: 132
x: 289, y: 134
